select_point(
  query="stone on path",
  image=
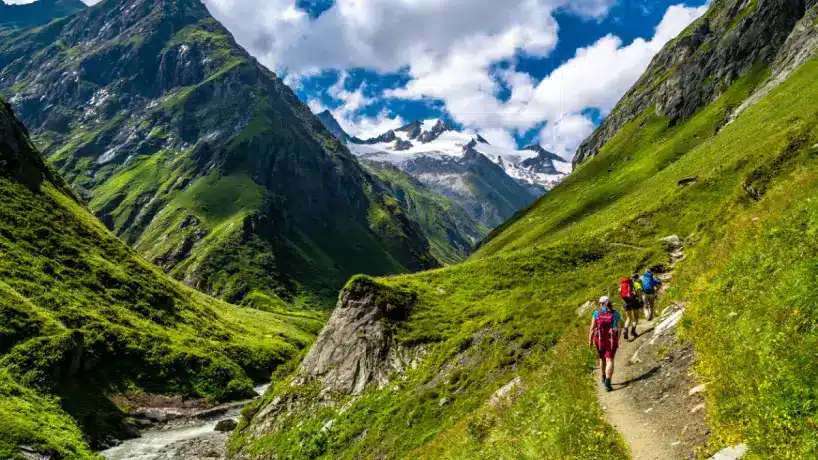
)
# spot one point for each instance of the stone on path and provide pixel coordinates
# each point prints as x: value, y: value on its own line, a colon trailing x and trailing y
x: 731, y: 453
x: 696, y: 389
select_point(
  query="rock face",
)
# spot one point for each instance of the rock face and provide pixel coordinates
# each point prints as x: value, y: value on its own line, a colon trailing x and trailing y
x: 451, y: 231
x: 154, y: 114
x: 474, y: 182
x: 18, y: 158
x: 732, y: 39
x: 356, y: 348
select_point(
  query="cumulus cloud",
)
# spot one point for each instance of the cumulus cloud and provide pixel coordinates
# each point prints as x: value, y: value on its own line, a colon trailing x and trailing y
x: 596, y: 77
x: 449, y: 50
x: 386, y: 35
x: 564, y: 136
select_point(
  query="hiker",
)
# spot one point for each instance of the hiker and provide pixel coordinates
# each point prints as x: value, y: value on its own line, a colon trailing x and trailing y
x: 637, y: 287
x: 627, y: 292
x: 650, y: 284
x: 604, y: 336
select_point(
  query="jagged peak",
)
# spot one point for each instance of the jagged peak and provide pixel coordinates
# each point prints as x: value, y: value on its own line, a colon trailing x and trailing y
x: 410, y: 126
x: 543, y: 153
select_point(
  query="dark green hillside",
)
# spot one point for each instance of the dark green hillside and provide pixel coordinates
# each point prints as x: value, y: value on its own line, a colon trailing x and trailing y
x: 37, y: 13
x: 736, y: 179
x: 201, y: 158
x: 83, y: 317
x: 450, y: 230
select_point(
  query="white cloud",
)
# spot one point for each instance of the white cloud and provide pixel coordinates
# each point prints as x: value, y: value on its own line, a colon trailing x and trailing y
x: 368, y: 127
x: 596, y: 77
x: 498, y: 137
x: 389, y: 34
x: 347, y: 113
x: 448, y: 48
x: 564, y: 136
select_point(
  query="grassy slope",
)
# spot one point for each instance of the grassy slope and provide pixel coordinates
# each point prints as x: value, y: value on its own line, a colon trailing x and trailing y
x: 84, y: 317
x: 752, y: 260
x: 748, y: 279
x: 193, y: 126
x: 450, y: 230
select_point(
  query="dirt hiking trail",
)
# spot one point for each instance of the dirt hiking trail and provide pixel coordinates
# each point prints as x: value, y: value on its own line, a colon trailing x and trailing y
x: 657, y: 405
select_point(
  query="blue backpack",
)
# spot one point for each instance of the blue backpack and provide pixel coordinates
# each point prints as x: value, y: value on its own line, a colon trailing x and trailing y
x: 648, y: 284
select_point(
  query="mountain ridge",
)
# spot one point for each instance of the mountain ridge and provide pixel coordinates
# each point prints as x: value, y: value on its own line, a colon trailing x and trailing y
x: 86, y: 319
x: 37, y: 13
x: 156, y: 116
x: 694, y: 68
x: 447, y: 160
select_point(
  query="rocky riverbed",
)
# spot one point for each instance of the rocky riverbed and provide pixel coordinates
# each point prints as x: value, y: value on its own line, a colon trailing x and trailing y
x: 180, y: 435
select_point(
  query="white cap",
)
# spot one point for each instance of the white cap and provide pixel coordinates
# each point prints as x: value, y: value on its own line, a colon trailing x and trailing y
x: 604, y: 299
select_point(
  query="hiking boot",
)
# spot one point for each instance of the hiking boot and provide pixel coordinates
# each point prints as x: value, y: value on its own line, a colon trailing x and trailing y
x: 626, y: 333
x: 633, y: 332
x: 608, y: 386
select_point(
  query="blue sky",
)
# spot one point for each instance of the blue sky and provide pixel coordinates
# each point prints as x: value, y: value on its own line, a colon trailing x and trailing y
x: 628, y: 20
x: 515, y: 71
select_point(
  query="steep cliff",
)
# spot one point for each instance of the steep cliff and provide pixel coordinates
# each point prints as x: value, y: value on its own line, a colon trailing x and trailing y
x: 731, y: 40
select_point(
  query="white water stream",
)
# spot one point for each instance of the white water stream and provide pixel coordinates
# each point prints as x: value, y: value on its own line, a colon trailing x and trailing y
x: 154, y: 443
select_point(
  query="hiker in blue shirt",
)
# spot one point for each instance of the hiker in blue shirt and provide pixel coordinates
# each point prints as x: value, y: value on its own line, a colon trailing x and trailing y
x: 604, y: 336
x: 650, y: 284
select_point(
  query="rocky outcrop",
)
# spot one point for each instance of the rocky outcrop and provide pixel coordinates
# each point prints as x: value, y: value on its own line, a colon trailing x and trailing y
x: 357, y: 348
x: 356, y: 351
x: 801, y: 45
x: 226, y: 425
x: 18, y: 159
x: 732, y: 39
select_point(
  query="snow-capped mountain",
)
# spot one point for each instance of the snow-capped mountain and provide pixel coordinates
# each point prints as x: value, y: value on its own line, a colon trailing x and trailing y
x: 489, y: 181
x: 532, y: 165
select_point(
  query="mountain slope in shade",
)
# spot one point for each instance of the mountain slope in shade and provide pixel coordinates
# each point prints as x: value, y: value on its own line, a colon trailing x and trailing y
x: 333, y: 127
x: 451, y: 231
x: 85, y: 318
x: 447, y: 161
x: 37, y: 13
x: 201, y: 158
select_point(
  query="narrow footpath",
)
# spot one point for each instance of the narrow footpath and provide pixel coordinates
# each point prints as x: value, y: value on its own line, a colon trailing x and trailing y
x: 656, y: 405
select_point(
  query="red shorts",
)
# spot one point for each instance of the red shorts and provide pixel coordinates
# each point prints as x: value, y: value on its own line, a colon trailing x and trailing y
x: 606, y: 351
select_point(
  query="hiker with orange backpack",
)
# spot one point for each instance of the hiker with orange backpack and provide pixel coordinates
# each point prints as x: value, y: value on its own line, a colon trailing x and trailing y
x: 604, y: 336
x: 631, y: 300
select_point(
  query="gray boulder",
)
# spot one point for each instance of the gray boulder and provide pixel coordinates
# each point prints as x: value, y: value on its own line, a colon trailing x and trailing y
x: 226, y: 425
